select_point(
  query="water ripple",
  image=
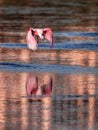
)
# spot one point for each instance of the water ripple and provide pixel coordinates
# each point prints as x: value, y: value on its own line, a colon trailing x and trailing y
x: 63, y: 97
x: 58, y: 46
x: 15, y: 66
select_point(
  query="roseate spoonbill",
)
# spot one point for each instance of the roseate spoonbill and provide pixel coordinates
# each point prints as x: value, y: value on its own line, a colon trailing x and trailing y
x: 33, y: 34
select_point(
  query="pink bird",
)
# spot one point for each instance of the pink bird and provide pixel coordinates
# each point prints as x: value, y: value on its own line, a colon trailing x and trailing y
x: 33, y: 34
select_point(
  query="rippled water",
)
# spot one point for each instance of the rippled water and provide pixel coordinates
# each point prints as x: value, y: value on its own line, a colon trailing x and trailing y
x: 72, y: 65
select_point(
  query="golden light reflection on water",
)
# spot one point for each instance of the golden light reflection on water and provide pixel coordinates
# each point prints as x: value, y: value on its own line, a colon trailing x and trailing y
x: 46, y: 113
x: 17, y: 111
x: 71, y: 57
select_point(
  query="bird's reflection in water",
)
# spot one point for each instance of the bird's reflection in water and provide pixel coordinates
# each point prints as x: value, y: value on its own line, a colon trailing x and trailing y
x: 39, y: 90
x: 35, y: 88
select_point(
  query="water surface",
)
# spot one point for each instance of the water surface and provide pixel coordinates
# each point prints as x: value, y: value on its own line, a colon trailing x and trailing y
x: 72, y: 65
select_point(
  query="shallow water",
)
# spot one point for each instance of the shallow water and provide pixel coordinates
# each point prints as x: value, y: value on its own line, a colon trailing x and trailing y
x: 72, y: 65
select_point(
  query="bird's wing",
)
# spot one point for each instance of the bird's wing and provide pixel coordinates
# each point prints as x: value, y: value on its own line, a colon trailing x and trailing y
x: 31, y: 41
x: 48, y: 35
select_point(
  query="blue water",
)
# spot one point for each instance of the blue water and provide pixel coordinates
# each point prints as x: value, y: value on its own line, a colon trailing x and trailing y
x: 57, y: 46
x: 62, y: 69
